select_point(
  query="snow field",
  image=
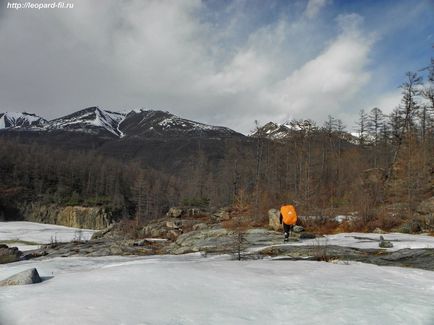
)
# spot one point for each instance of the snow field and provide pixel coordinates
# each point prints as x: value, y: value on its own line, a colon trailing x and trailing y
x: 190, y: 289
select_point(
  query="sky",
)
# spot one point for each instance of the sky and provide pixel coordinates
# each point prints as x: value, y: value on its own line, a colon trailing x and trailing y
x: 219, y: 62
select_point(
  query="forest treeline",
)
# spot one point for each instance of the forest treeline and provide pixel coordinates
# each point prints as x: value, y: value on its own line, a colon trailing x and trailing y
x: 325, y: 169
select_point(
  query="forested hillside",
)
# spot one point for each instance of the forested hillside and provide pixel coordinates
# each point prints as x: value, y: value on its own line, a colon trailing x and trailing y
x: 387, y: 165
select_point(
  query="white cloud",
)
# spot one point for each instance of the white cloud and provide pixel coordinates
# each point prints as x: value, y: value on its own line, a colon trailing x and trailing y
x: 160, y: 54
x: 314, y: 7
x: 327, y: 83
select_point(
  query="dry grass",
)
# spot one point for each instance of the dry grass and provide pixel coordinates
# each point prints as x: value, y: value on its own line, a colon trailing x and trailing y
x: 129, y: 228
x: 320, y: 226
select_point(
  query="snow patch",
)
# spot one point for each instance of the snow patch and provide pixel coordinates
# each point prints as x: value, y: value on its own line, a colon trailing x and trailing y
x: 195, y: 290
x: 39, y: 233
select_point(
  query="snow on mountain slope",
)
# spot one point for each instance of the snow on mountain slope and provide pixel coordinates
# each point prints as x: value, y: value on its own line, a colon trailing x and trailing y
x: 160, y: 123
x: 90, y: 120
x: 21, y: 120
x: 276, y: 131
x: 136, y: 123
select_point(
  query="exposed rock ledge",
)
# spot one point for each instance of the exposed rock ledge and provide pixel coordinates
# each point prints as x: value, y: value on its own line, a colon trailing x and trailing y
x: 70, y: 216
x: 259, y: 243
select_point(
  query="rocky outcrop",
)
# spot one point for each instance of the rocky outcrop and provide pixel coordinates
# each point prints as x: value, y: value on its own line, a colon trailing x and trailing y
x: 175, y: 212
x: 70, y: 216
x: 210, y: 240
x: 9, y: 254
x: 274, y: 219
x: 385, y: 243
x: 29, y: 276
x: 417, y: 258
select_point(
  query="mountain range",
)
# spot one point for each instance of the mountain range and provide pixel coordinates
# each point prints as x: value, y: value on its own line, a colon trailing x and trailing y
x: 94, y: 120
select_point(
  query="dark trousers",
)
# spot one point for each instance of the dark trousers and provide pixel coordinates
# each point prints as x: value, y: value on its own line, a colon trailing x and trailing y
x: 287, y: 229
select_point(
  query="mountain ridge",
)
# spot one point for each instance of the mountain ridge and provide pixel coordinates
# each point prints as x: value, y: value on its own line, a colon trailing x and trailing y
x: 136, y: 123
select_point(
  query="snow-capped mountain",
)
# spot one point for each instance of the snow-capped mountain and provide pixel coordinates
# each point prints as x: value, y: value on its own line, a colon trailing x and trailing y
x: 21, y: 120
x: 136, y: 123
x: 154, y: 123
x: 272, y: 130
x: 276, y: 131
x: 89, y: 120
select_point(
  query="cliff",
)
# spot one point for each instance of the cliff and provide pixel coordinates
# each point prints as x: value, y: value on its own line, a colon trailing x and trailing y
x: 71, y: 216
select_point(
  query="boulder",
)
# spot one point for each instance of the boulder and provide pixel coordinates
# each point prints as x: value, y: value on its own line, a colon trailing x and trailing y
x: 298, y: 229
x: 274, y: 219
x: 385, y: 243
x: 9, y: 254
x: 175, y: 212
x: 378, y: 231
x: 29, y: 276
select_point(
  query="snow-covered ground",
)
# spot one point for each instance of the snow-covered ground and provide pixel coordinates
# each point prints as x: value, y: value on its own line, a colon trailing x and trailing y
x: 38, y: 233
x: 371, y: 240
x: 191, y: 289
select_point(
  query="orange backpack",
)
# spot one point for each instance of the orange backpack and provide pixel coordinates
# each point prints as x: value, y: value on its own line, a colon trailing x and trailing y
x: 289, y: 216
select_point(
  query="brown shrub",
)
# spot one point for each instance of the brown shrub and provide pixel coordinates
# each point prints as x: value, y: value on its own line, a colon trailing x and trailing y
x: 323, y: 225
x: 129, y: 228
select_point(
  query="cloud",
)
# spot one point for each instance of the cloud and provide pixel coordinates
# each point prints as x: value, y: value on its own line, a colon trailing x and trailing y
x: 330, y: 81
x: 166, y: 55
x: 313, y: 8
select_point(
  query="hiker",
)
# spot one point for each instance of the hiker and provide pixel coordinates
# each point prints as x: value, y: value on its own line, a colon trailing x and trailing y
x: 288, y: 217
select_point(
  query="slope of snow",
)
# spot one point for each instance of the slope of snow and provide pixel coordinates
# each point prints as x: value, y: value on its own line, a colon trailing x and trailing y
x: 156, y: 123
x: 90, y: 120
x: 195, y: 290
x: 19, y: 120
x: 39, y: 233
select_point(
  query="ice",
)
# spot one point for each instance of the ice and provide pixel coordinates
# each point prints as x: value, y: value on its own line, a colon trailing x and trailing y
x: 371, y: 240
x: 191, y: 289
x: 39, y: 233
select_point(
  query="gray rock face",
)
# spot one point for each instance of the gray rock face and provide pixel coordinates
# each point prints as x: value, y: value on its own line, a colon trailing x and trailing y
x: 212, y: 240
x: 417, y: 258
x: 274, y: 219
x: 70, y: 216
x: 29, y: 276
x: 9, y: 254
